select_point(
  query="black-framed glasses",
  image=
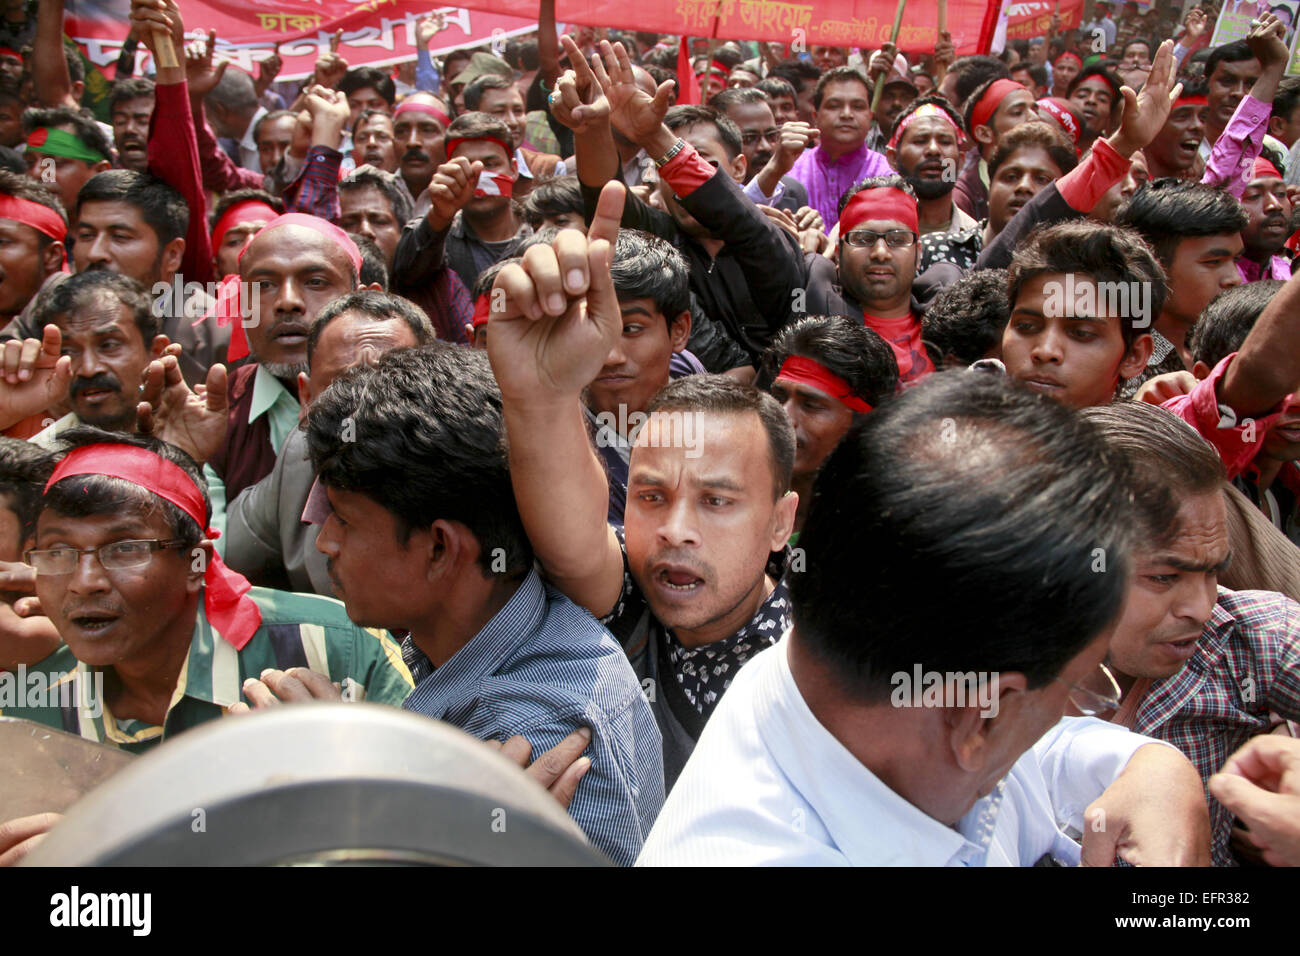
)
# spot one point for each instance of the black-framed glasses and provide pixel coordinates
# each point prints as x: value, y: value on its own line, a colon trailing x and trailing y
x: 894, y: 238
x: 751, y: 136
x: 1093, y: 703
x: 118, y: 556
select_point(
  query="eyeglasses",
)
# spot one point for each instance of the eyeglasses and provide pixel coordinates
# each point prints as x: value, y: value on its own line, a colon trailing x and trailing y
x: 895, y: 238
x: 1093, y: 703
x: 118, y: 556
x: 752, y: 136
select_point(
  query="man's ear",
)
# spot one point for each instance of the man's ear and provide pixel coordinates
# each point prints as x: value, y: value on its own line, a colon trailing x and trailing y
x: 1139, y: 353
x: 199, y: 557
x: 101, y: 166
x: 52, y: 257
x: 739, y: 166
x: 976, y: 729
x: 1200, y: 370
x: 679, y: 330
x: 983, y: 135
x: 77, y: 91
x: 172, y: 253
x: 304, y: 390
x: 891, y: 155
x: 1275, y: 126
x: 372, y: 287
x: 446, y: 546
x: 783, y: 524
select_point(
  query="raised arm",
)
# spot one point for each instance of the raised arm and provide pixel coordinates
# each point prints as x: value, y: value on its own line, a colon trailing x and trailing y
x: 50, y: 78
x: 1267, y: 367
x: 548, y: 46
x: 554, y: 319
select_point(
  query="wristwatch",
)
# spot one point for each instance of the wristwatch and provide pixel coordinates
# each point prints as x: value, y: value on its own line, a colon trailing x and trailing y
x: 677, y: 148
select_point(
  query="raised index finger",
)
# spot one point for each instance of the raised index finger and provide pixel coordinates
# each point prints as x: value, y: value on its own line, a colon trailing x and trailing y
x: 581, y: 69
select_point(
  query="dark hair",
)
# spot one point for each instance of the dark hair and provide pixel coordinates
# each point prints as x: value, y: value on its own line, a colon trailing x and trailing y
x: 1004, y: 496
x: 684, y: 116
x: 484, y: 281
x: 973, y: 72
x: 839, y: 74
x: 1224, y: 324
x: 72, y: 57
x: 488, y: 81
x: 1167, y: 211
x: 86, y: 289
x: 81, y: 496
x: 271, y: 117
x: 845, y: 346
x: 647, y: 267
x: 553, y: 197
x: 87, y: 131
x: 1233, y: 52
x: 660, y: 58
x: 1034, y: 134
x: 1103, y: 70
x: 1167, y: 461
x: 380, y: 306
x: 243, y: 195
x: 24, y: 470
x: 1287, y: 98
x: 875, y: 182
x: 374, y: 267
x: 366, y: 115
x: 931, y: 99
x: 163, y: 209
x: 131, y: 88
x: 1145, y: 41
x: 967, y: 318
x: 738, y: 96
x: 723, y: 395
x: 1104, y: 252
x: 390, y: 186
x: 475, y: 125
x: 775, y: 86
x: 800, y: 74
x: 234, y: 91
x: 1038, y: 74
x: 659, y: 74
x: 428, y: 444
x: 362, y: 76
x: 522, y: 54
x: 24, y: 187
x: 971, y: 102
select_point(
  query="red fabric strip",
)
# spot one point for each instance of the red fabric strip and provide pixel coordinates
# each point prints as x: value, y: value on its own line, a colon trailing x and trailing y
x: 883, y: 202
x: 806, y: 371
x: 41, y: 218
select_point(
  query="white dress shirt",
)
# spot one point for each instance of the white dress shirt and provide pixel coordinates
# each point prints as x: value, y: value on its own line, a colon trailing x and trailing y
x: 767, y: 784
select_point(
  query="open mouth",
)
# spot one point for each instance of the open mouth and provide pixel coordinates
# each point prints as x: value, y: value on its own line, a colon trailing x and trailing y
x: 93, y: 622
x: 95, y: 395
x: 679, y: 580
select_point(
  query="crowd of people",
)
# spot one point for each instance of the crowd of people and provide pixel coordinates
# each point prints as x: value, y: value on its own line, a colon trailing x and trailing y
x: 797, y: 456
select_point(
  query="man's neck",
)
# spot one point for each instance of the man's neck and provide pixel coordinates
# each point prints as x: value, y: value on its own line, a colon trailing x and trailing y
x: 895, y: 308
x: 728, y: 624
x: 936, y: 214
x: 465, y: 614
x: 142, y: 688
x: 1213, y: 131
x: 834, y: 151
x: 1175, y: 330
x: 418, y: 185
x: 1269, y: 469
x: 495, y: 226
x: 1260, y: 257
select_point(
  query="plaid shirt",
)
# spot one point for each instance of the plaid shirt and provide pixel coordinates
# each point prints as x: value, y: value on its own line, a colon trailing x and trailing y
x: 1246, y: 664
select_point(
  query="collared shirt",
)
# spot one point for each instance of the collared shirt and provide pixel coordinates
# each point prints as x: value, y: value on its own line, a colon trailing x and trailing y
x: 827, y: 180
x: 768, y: 784
x: 298, y: 630
x: 1279, y: 267
x: 1247, y: 663
x: 315, y: 188
x: 686, y: 684
x: 960, y: 246
x: 272, y: 399
x: 1230, y: 164
x: 542, y: 668
x: 248, y: 157
x: 464, y: 252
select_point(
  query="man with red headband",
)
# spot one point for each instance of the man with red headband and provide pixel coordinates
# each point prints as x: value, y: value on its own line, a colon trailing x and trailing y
x: 1176, y: 149
x: 995, y: 108
x: 925, y: 148
x: 471, y: 222
x: 160, y: 635
x: 1096, y: 91
x: 1065, y: 68
x: 33, y: 229
x: 237, y: 218
x: 419, y: 125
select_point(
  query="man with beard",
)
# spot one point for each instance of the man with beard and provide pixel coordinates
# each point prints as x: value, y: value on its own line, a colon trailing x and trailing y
x: 109, y: 330
x: 765, y: 145
x: 419, y: 125
x: 131, y: 107
x: 925, y: 148
x: 990, y: 112
x: 1267, y: 201
x: 374, y: 142
x: 691, y: 587
x: 1176, y: 149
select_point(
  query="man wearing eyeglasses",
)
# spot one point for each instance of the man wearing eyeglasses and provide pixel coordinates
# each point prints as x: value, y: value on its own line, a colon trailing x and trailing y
x: 159, y: 634
x: 769, y: 150
x: 1201, y: 666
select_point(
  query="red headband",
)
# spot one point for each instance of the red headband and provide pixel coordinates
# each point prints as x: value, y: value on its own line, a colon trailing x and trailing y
x: 455, y: 141
x: 1071, y: 56
x: 408, y: 107
x: 41, y: 218
x: 1063, y: 117
x: 238, y: 213
x: 1199, y: 100
x: 992, y: 98
x: 805, y: 371
x: 922, y: 112
x: 226, y: 603
x: 226, y: 308
x: 1265, y: 169
x: 481, y: 311
x: 714, y: 67
x: 882, y: 202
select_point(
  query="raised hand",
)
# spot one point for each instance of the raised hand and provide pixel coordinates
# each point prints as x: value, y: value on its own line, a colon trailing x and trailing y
x: 578, y: 102
x: 796, y: 136
x: 1145, y: 113
x: 555, y: 316
x: 637, y: 115
x: 428, y: 27
x: 1197, y: 24
x: 267, y: 71
x: 329, y: 113
x: 882, y: 61
x: 945, y: 51
x: 331, y: 67
x: 450, y: 189
x: 148, y: 16
x: 201, y: 74
x: 1268, y: 42
x: 192, y: 420
x: 35, y: 376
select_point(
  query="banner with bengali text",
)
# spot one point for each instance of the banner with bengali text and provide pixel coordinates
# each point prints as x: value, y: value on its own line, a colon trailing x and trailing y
x: 1027, y: 19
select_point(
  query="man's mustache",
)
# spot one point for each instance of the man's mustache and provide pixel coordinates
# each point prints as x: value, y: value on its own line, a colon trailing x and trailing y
x: 101, y: 382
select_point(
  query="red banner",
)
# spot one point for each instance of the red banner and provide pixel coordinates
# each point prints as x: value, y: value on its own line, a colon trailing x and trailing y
x: 380, y: 32
x: 1027, y: 19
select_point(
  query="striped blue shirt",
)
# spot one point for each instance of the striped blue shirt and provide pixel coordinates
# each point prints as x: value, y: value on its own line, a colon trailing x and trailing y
x: 541, y: 668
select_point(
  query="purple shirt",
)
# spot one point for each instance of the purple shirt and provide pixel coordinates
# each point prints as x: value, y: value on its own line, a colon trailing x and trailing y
x: 1231, y: 165
x: 827, y: 180
x: 1279, y: 267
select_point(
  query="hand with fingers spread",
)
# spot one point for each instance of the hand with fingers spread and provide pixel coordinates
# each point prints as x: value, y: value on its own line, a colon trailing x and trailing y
x: 636, y: 114
x: 274, y: 687
x: 1145, y: 113
x: 36, y: 376
x: 578, y: 102
x: 558, y: 770
x: 194, y: 421
x: 428, y: 27
x: 201, y: 74
x: 1197, y: 23
x: 555, y: 315
x: 450, y: 189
